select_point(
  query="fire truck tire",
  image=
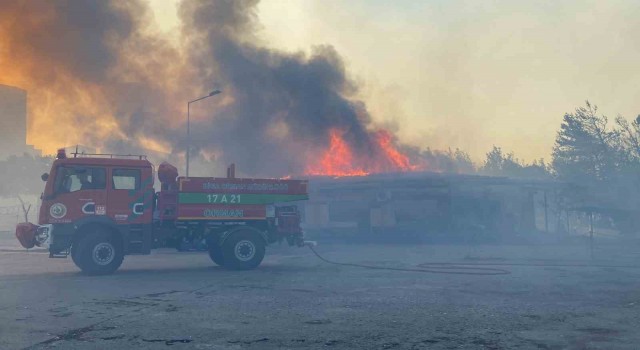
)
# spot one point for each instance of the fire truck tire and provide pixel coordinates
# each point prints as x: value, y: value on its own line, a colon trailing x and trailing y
x: 98, y: 253
x: 243, y: 250
x: 215, y: 253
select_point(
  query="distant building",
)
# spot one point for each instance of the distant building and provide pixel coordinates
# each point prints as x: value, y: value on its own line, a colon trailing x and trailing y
x: 13, y: 123
x: 432, y: 205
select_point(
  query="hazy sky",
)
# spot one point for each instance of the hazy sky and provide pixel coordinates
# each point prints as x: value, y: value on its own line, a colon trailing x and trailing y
x: 469, y: 74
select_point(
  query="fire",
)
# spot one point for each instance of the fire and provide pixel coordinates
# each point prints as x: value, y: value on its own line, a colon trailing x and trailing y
x: 339, y: 158
x: 126, y: 86
x: 399, y: 160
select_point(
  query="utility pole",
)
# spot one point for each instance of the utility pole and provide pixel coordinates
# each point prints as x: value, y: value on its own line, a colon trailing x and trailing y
x: 546, y: 213
x: 212, y: 93
x: 591, y: 233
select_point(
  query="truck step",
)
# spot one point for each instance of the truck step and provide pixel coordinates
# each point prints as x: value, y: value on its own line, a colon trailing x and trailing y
x: 62, y: 255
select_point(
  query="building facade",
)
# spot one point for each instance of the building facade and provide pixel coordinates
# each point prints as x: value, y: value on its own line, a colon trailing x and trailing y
x: 431, y: 204
x: 13, y: 123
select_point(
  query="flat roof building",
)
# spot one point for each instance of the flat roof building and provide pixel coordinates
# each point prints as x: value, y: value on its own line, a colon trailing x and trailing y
x: 13, y: 122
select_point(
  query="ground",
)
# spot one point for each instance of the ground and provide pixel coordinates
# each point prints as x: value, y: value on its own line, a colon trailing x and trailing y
x: 295, y: 301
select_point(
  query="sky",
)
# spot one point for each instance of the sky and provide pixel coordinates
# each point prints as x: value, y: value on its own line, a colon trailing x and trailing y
x: 436, y: 74
x: 468, y: 74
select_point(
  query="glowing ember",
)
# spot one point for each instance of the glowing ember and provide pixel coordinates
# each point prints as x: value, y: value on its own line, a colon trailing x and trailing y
x: 340, y: 160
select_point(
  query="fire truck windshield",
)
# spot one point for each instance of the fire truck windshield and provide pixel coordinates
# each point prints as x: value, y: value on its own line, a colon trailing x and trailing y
x: 77, y: 178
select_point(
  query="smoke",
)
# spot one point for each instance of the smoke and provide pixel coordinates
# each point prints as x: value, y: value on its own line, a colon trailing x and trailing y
x: 99, y: 74
x: 95, y: 72
x: 284, y: 104
x: 49, y: 38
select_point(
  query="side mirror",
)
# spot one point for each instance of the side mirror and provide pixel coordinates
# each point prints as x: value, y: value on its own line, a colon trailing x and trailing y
x: 45, y: 177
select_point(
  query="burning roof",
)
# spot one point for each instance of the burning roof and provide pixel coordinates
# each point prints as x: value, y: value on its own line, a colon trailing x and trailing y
x: 339, y: 159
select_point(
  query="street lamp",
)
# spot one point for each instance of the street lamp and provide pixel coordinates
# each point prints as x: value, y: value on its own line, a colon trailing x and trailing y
x: 212, y: 93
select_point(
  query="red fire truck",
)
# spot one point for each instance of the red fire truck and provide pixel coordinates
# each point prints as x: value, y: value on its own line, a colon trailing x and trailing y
x: 99, y: 208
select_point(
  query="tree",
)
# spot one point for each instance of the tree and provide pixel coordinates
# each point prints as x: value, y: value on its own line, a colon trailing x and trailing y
x: 500, y: 164
x: 604, y: 160
x: 450, y: 161
x: 586, y: 150
x: 630, y: 140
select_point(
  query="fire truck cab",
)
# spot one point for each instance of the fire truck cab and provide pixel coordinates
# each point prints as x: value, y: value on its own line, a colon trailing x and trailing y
x: 105, y: 203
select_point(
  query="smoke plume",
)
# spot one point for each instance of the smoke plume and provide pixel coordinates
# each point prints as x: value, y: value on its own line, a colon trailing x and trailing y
x: 99, y: 74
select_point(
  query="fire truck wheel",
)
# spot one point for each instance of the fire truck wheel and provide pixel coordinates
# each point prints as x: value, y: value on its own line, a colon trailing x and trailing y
x: 98, y: 253
x: 243, y: 250
x: 215, y: 253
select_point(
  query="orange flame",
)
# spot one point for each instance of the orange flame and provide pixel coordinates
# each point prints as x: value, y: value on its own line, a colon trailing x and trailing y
x: 399, y: 161
x: 339, y: 159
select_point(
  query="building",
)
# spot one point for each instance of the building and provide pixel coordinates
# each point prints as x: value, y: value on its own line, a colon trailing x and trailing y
x: 431, y: 205
x: 13, y: 123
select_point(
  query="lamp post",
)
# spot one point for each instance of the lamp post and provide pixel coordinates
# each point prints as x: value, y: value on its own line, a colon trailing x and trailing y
x: 212, y: 93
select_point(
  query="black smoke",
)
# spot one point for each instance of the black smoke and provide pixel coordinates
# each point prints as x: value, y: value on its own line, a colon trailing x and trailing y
x: 87, y: 66
x: 305, y: 94
x: 272, y: 119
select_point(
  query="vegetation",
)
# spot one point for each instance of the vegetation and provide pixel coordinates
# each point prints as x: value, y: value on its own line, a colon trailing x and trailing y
x: 449, y: 161
x: 603, y: 159
x: 500, y: 164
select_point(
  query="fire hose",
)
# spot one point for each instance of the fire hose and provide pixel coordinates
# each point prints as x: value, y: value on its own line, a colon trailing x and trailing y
x: 437, y: 268
x: 473, y: 268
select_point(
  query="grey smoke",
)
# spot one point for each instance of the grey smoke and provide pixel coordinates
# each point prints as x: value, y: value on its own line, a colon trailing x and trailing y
x: 64, y: 35
x: 309, y: 94
x: 104, y: 44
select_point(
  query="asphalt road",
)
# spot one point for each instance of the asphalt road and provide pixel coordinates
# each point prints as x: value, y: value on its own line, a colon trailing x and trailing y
x: 295, y: 301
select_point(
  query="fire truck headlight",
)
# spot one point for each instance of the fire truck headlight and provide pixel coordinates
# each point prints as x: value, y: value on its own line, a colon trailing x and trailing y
x: 43, y: 234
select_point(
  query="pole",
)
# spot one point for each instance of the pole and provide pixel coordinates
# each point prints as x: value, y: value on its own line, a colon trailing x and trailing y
x: 212, y: 93
x: 591, y: 233
x: 546, y: 219
x: 188, y: 134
